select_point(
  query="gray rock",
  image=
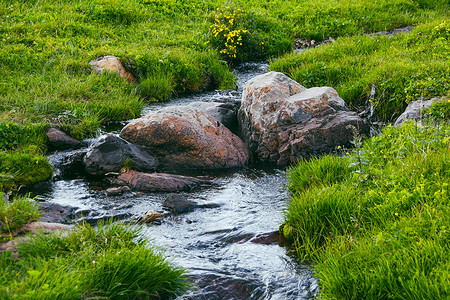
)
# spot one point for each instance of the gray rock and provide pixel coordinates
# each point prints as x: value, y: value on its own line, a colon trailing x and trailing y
x: 73, y: 164
x: 111, y: 153
x: 60, y: 141
x: 55, y: 213
x: 282, y: 121
x: 117, y: 191
x: 414, y: 111
x: 225, y: 113
x: 178, y: 203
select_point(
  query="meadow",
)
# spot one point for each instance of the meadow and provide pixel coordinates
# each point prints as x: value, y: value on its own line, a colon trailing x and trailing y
x: 373, y: 218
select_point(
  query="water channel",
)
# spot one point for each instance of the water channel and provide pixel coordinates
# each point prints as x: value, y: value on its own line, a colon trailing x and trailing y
x: 217, y: 245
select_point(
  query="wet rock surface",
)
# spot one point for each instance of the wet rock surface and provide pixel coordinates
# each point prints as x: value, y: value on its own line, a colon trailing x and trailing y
x: 56, y: 213
x: 73, y: 165
x: 283, y: 121
x: 178, y: 203
x: 111, y: 153
x: 116, y: 191
x: 184, y: 138
x: 158, y: 182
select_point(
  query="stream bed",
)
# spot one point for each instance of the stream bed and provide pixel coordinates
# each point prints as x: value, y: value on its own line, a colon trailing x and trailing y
x: 225, y: 245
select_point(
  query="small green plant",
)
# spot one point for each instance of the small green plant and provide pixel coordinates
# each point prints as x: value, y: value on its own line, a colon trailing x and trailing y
x: 15, y: 213
x: 440, y: 110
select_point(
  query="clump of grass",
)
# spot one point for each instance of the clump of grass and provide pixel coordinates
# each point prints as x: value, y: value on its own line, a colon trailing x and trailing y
x: 110, y: 261
x: 400, y: 68
x: 323, y: 171
x: 382, y: 230
x: 15, y: 214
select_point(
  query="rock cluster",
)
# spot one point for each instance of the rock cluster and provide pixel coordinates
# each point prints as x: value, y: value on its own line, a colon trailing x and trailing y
x: 282, y: 121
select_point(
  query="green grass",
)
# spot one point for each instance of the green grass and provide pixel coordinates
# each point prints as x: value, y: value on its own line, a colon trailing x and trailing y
x: 107, y: 262
x: 401, y: 68
x: 378, y: 230
x: 16, y: 214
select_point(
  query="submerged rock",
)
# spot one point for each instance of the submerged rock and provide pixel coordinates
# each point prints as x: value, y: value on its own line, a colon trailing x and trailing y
x: 111, y: 64
x: 55, y: 213
x: 186, y: 138
x: 158, y: 182
x: 58, y: 140
x: 282, y: 121
x: 178, y: 203
x: 111, y: 153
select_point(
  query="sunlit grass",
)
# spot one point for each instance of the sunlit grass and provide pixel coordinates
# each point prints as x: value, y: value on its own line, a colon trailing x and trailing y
x: 380, y: 229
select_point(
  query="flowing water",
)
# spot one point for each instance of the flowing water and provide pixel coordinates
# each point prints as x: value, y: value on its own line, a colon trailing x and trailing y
x: 222, y: 246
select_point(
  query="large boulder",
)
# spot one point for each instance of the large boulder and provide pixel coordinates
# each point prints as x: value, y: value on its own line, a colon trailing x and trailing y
x: 414, y: 111
x: 282, y: 121
x: 158, y: 182
x: 111, y: 64
x: 111, y: 153
x: 184, y: 137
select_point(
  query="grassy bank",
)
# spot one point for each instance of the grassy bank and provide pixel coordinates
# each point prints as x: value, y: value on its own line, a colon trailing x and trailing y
x: 171, y: 47
x: 397, y: 68
x: 108, y: 262
x: 375, y: 219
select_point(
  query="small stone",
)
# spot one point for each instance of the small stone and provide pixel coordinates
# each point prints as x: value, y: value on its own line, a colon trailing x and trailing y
x: 112, y: 64
x: 178, y: 203
x: 117, y: 191
x: 151, y: 216
x: 60, y: 141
